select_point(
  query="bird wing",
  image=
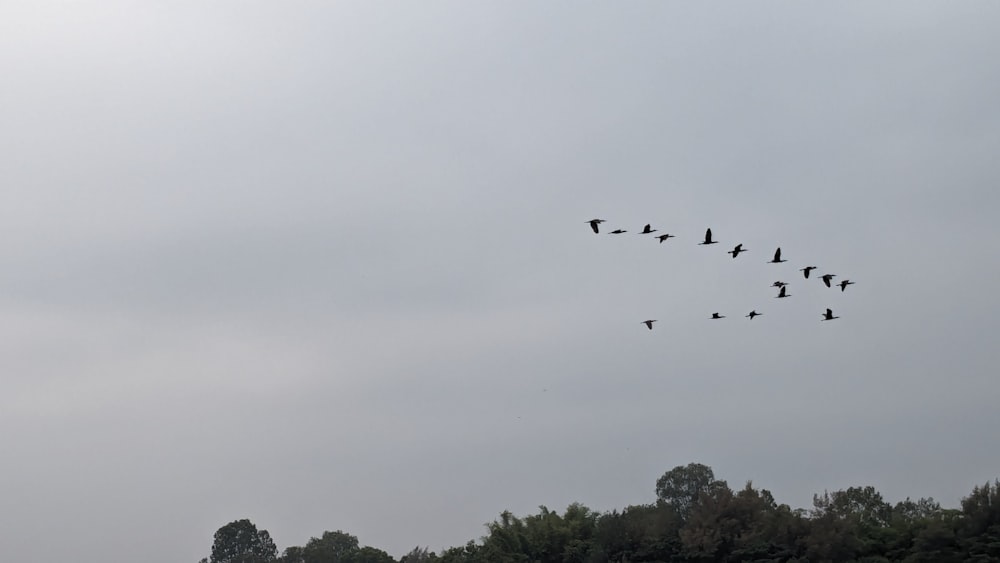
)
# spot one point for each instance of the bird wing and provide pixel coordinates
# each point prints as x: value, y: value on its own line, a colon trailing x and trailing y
x: 593, y: 225
x: 777, y: 254
x: 708, y: 235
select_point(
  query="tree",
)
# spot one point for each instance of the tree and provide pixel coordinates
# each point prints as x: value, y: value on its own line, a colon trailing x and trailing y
x: 241, y: 542
x: 682, y: 486
x: 639, y: 533
x: 369, y: 554
x: 292, y: 554
x: 909, y: 511
x: 862, y: 504
x: 981, y: 523
x: 332, y: 547
x: 418, y: 555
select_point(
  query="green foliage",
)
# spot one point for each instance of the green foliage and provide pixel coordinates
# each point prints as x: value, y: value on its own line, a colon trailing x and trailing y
x: 696, y: 518
x: 293, y: 554
x: 371, y: 555
x: 682, y: 486
x: 419, y: 555
x: 981, y: 523
x: 332, y: 547
x: 545, y: 537
x: 335, y: 547
x: 241, y: 542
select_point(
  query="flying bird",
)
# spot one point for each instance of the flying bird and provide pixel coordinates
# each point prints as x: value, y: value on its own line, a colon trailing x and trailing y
x: 649, y: 323
x: 718, y: 316
x: 753, y: 314
x: 665, y: 237
x: 779, y: 284
x: 827, y: 278
x: 647, y: 229
x: 829, y: 316
x: 617, y: 232
x: 844, y: 284
x: 736, y: 250
x: 594, y: 223
x: 708, y: 238
x: 805, y: 271
x: 781, y: 293
x: 777, y: 257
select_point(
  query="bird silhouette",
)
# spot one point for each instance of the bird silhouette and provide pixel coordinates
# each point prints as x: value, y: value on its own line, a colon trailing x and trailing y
x: 647, y: 229
x: 617, y: 232
x: 737, y: 249
x: 649, y: 323
x: 805, y: 271
x: 718, y: 316
x: 782, y: 294
x: 843, y: 285
x: 779, y: 284
x: 594, y: 223
x: 827, y: 278
x: 777, y: 257
x: 708, y: 238
x: 753, y: 314
x: 665, y: 237
x: 829, y: 316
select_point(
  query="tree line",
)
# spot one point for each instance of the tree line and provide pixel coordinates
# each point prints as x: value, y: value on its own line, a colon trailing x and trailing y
x: 696, y: 518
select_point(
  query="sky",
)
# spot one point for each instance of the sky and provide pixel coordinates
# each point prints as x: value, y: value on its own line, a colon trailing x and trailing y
x: 326, y: 266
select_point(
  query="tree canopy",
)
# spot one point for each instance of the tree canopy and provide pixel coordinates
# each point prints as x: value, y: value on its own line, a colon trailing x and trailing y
x: 694, y: 518
x: 241, y: 542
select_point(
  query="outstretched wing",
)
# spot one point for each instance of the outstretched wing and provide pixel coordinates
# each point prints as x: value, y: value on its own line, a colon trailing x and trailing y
x: 777, y: 254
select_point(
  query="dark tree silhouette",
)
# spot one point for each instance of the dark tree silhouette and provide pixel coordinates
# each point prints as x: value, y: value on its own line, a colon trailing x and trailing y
x: 240, y: 542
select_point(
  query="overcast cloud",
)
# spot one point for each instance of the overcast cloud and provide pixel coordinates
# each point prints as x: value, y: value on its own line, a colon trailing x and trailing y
x: 325, y: 265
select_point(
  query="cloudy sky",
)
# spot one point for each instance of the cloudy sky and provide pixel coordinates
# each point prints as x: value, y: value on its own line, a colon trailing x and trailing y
x: 326, y: 265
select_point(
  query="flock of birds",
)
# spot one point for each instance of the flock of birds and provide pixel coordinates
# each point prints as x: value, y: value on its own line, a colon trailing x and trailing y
x: 736, y: 251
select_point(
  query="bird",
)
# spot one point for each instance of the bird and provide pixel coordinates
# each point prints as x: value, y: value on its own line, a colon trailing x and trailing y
x: 777, y: 257
x: 827, y: 278
x: 829, y: 316
x: 647, y: 229
x: 805, y: 271
x: 708, y: 238
x: 844, y: 284
x: 594, y: 223
x: 718, y: 316
x: 781, y: 293
x: 617, y: 232
x: 737, y: 249
x: 779, y: 284
x: 753, y: 314
x: 665, y: 237
x: 649, y: 323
